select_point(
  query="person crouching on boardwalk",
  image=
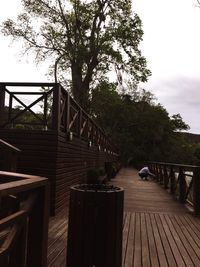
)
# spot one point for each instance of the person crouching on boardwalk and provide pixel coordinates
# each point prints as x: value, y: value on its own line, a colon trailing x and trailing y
x: 144, y: 173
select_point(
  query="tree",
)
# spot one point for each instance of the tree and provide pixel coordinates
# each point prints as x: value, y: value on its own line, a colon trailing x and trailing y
x: 178, y: 123
x: 84, y: 38
x: 142, y: 129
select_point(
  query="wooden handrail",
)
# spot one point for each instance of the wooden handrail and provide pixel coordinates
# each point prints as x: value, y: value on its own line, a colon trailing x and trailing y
x: 66, y: 114
x: 9, y: 155
x: 174, y: 177
x: 8, y: 146
x: 26, y: 243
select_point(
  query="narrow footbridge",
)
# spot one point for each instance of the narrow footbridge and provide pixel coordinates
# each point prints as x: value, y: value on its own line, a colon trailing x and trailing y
x: 158, y: 230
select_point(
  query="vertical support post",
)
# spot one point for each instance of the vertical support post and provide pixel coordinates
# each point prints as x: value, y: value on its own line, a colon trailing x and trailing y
x: 156, y: 170
x: 182, y: 186
x: 172, y: 180
x: 56, y: 107
x: 17, y: 255
x: 10, y: 121
x: 38, y: 229
x: 166, y: 178
x: 153, y: 168
x: 2, y: 102
x: 80, y: 122
x: 196, y: 190
x: 161, y: 178
x: 68, y: 113
x: 45, y: 111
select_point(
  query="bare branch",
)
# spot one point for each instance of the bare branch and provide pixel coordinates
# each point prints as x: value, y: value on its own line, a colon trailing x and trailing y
x: 66, y: 24
x: 56, y: 68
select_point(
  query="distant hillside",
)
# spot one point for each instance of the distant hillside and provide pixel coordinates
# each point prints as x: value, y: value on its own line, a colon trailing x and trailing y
x: 193, y: 138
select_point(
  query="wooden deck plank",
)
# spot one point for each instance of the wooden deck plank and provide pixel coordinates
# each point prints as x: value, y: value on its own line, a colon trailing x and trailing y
x: 173, y: 245
x: 125, y: 236
x: 137, y: 261
x: 152, y: 246
x: 195, y: 223
x: 144, y: 243
x: 160, y: 250
x: 189, y: 238
x: 180, y: 243
x: 168, y: 252
x: 157, y: 230
x: 190, y: 251
x: 192, y: 229
x: 130, y: 245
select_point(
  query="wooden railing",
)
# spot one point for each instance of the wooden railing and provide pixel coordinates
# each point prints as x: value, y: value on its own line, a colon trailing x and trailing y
x: 52, y: 109
x: 183, y: 181
x: 24, y: 213
x: 8, y: 156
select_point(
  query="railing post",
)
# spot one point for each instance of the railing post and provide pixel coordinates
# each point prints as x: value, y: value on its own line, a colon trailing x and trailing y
x: 156, y: 172
x: 161, y: 174
x: 80, y: 122
x: 56, y: 107
x: 38, y: 229
x: 68, y: 113
x: 182, y: 186
x: 172, y: 180
x: 196, y: 190
x: 166, y: 178
x: 17, y: 256
x: 2, y: 103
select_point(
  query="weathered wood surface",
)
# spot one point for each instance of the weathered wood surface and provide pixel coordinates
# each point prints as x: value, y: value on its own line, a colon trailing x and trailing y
x: 145, y: 196
x: 50, y: 155
x: 183, y: 181
x: 24, y: 216
x: 158, y: 231
x: 61, y: 145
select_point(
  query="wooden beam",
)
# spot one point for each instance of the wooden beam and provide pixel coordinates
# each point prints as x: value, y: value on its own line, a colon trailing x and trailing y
x: 2, y: 102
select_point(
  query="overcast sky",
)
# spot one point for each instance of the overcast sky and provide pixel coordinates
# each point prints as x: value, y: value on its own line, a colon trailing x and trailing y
x: 171, y: 45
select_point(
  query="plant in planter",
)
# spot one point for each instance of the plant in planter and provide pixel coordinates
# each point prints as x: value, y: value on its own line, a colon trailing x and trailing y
x: 115, y: 169
x: 93, y: 176
x: 102, y: 176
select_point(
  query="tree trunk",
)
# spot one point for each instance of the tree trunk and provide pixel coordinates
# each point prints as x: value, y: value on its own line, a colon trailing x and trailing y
x: 80, y: 88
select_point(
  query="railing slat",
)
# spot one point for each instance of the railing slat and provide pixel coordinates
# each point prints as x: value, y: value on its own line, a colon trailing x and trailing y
x: 179, y: 186
x: 26, y: 244
x: 196, y: 190
x: 65, y: 113
x: 182, y: 186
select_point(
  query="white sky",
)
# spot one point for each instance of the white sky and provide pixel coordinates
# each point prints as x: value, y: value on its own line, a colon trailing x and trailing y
x: 171, y: 45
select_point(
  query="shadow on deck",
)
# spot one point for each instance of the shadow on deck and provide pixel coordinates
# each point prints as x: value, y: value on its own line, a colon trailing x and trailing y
x: 158, y: 231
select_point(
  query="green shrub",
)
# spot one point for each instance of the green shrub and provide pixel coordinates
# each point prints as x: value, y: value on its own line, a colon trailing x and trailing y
x: 92, y: 176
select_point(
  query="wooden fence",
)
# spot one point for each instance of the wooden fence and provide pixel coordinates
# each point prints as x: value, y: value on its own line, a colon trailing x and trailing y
x: 8, y: 156
x: 58, y: 139
x: 24, y: 201
x: 183, y: 181
x: 54, y: 110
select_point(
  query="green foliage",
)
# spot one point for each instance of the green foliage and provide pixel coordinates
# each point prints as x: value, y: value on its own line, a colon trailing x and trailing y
x: 92, y: 176
x: 101, y: 172
x: 178, y: 123
x: 197, y: 152
x: 85, y: 39
x: 141, y: 128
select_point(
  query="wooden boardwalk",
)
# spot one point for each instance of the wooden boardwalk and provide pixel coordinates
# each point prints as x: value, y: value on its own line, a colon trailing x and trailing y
x: 158, y: 231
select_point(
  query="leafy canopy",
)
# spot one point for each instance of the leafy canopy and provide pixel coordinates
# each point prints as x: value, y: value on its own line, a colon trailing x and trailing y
x: 85, y: 39
x: 142, y: 128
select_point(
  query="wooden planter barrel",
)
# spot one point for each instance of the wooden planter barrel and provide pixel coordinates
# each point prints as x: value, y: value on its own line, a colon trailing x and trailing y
x: 95, y: 226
